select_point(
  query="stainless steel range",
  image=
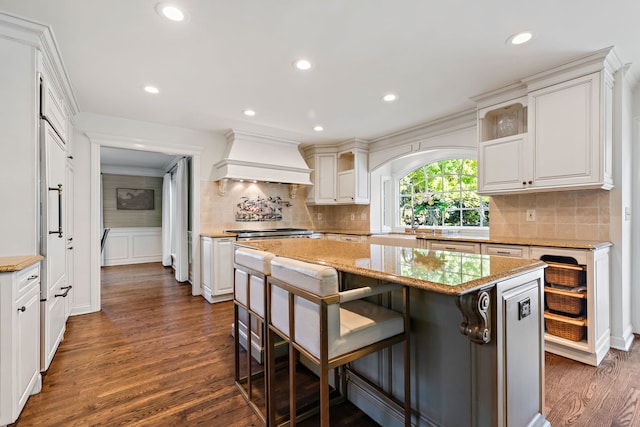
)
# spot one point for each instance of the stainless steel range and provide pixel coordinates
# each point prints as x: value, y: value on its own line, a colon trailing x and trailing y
x: 271, y: 233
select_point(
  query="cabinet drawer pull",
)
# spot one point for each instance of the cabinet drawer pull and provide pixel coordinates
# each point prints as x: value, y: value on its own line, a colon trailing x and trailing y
x: 449, y: 248
x: 35, y: 276
x: 22, y: 309
x: 66, y: 292
x: 503, y: 252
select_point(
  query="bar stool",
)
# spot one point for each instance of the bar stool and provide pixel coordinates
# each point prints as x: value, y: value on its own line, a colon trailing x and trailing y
x: 251, y: 269
x: 328, y: 327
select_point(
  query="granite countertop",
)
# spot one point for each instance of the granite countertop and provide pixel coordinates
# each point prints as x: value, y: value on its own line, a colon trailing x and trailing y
x: 451, y: 273
x: 17, y: 263
x: 526, y: 241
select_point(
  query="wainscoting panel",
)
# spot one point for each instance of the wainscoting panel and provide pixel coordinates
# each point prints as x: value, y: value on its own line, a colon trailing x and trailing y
x: 133, y: 245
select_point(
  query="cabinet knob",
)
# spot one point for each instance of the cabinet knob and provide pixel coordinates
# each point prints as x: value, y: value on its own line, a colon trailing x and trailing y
x: 70, y: 248
x: 530, y: 182
x: 524, y: 182
x: 70, y: 157
x: 32, y: 277
x: 22, y: 309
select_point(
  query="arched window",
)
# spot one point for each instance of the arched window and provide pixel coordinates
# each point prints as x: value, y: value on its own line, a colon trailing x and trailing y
x: 443, y: 194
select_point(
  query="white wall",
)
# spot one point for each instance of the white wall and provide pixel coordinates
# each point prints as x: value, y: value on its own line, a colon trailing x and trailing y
x: 130, y: 134
x: 395, y: 156
x: 620, y: 222
x: 635, y: 226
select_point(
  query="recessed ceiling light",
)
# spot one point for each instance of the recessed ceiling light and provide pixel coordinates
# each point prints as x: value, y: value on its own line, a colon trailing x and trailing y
x: 151, y: 89
x: 302, y: 64
x: 170, y: 11
x: 390, y: 97
x: 249, y: 113
x: 520, y: 38
x: 318, y: 128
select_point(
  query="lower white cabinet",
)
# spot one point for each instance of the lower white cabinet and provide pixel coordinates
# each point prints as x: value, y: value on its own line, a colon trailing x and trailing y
x: 19, y: 340
x: 217, y: 268
x: 513, y: 251
x: 582, y: 335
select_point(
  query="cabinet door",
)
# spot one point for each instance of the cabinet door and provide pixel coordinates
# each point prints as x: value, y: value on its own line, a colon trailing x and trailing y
x: 54, y: 326
x: 346, y: 187
x: 503, y: 165
x: 564, y: 125
x: 27, y: 312
x: 206, y: 264
x: 325, y: 179
x: 522, y: 330
x: 223, y: 266
x: 53, y: 107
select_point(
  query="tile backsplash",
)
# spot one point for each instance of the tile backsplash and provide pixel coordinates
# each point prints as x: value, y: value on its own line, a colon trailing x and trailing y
x: 582, y: 214
x: 218, y: 212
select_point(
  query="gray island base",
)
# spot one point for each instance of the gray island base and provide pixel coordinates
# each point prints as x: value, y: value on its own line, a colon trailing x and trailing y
x: 477, y: 334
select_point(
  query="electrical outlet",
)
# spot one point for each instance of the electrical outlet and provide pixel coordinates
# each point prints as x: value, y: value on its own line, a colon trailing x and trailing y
x: 353, y: 217
x: 319, y: 216
x: 531, y: 214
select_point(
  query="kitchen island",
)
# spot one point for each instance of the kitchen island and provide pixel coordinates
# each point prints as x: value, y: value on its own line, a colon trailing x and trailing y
x: 476, y: 332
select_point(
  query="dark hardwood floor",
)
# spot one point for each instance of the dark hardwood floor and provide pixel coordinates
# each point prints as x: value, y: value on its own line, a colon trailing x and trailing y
x: 156, y: 356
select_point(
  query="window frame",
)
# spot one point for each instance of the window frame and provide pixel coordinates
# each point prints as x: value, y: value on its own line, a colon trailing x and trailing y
x: 424, y: 161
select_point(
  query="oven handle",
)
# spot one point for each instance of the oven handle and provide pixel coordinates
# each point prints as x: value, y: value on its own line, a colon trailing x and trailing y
x: 59, y: 230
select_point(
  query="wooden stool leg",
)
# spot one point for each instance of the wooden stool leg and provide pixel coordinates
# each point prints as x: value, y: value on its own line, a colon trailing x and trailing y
x: 324, y: 395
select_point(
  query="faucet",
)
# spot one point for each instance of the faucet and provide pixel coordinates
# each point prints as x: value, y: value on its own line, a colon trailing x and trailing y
x: 414, y: 224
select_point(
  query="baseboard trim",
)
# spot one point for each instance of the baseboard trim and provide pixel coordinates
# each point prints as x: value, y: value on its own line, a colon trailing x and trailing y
x: 624, y: 342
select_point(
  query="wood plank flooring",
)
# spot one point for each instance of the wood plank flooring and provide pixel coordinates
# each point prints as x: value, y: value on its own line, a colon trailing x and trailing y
x: 156, y: 356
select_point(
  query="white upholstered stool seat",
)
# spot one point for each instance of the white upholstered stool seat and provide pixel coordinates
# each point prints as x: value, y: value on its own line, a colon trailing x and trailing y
x: 251, y: 269
x: 329, y: 327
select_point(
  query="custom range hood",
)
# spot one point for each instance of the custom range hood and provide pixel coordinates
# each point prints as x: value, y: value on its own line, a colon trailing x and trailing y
x: 253, y: 157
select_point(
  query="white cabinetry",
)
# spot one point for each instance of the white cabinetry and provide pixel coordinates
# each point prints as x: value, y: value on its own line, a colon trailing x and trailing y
x: 20, y: 340
x: 571, y: 140
x: 217, y: 268
x: 513, y: 251
x: 323, y: 177
x: 340, y: 174
x: 558, y: 136
x: 34, y: 85
x: 596, y: 342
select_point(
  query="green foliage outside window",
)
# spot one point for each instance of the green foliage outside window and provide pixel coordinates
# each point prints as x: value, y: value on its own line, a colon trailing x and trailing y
x: 444, y: 194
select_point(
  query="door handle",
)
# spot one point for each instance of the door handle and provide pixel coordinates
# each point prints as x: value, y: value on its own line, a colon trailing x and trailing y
x: 59, y: 190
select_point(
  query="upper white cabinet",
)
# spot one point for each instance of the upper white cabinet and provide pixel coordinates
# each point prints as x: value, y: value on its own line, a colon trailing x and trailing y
x: 552, y: 132
x: 323, y: 176
x: 340, y: 174
x: 53, y: 105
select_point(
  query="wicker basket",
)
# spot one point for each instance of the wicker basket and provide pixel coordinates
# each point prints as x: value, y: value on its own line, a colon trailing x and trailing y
x: 565, y: 327
x: 565, y: 274
x: 564, y: 301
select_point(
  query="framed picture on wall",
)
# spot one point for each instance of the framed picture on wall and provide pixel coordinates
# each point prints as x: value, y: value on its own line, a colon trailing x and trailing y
x: 134, y: 199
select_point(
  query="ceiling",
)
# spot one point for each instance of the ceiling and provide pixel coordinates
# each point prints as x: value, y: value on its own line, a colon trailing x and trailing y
x: 230, y: 55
